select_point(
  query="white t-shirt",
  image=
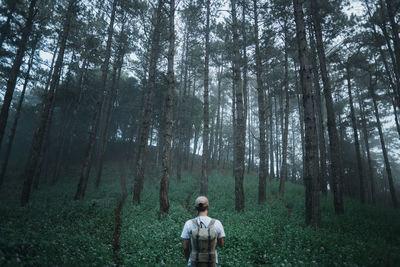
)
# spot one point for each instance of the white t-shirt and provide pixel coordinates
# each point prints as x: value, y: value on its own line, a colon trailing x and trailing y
x: 189, y: 226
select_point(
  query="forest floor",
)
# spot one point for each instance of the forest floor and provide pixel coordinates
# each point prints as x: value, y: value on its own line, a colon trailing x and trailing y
x: 105, y: 229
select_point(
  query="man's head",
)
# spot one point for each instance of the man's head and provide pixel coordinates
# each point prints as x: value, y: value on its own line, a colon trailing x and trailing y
x: 201, y: 203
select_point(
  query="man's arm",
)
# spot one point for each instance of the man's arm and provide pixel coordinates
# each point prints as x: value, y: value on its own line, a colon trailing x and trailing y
x: 220, y: 242
x: 186, y: 248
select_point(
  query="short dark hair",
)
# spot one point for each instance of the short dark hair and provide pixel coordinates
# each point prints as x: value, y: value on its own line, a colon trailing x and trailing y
x: 201, y: 207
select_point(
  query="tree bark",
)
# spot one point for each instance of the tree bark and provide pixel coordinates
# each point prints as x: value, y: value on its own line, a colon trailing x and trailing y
x: 245, y: 92
x: 217, y: 128
x: 365, y: 135
x: 164, y: 182
x: 71, y: 117
x: 321, y: 129
x: 16, y: 117
x: 336, y: 158
x: 15, y: 69
x: 87, y: 162
x: 284, y: 171
x: 109, y: 111
x: 313, y: 213
x: 271, y: 138
x: 39, y: 133
x: 113, y: 93
x: 262, y: 177
x: 240, y: 132
x: 206, y: 127
x: 384, y: 151
x: 148, y: 106
x: 356, y: 140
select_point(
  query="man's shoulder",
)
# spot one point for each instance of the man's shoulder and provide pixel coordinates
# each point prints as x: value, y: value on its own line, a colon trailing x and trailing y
x: 189, y: 222
x: 217, y: 221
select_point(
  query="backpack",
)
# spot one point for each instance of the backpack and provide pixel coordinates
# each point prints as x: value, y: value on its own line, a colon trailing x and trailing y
x: 204, y: 242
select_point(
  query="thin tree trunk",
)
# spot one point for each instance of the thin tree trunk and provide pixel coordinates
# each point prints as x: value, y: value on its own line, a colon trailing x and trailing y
x: 182, y: 113
x: 15, y: 69
x: 110, y: 108
x: 240, y: 133
x: 164, y: 182
x: 38, y: 136
x: 113, y: 93
x: 217, y: 128
x: 321, y: 129
x: 206, y: 127
x: 384, y: 151
x: 271, y: 138
x: 148, y: 106
x: 87, y: 162
x: 16, y: 117
x: 245, y: 92
x: 71, y: 117
x: 365, y: 135
x: 313, y: 213
x: 262, y: 177
x: 284, y: 172
x: 336, y: 158
x: 293, y: 153
x: 220, y: 145
x: 356, y: 140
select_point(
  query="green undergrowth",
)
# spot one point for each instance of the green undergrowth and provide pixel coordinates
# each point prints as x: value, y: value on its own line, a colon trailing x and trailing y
x: 55, y: 230
x: 270, y: 234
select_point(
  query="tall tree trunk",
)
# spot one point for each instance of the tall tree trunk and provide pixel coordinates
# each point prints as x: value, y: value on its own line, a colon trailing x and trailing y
x: 371, y: 90
x: 218, y: 123
x: 16, y: 117
x: 39, y: 133
x: 293, y: 153
x: 284, y: 171
x: 313, y: 213
x: 148, y: 106
x: 244, y: 60
x: 262, y: 177
x: 14, y: 72
x: 107, y: 123
x: 182, y: 113
x: 301, y: 123
x: 112, y: 97
x: 271, y: 138
x: 336, y: 158
x: 68, y: 128
x: 277, y: 150
x: 365, y: 135
x: 240, y: 132
x: 164, y: 182
x: 206, y: 127
x: 356, y: 140
x: 321, y: 129
x: 220, y: 144
x: 87, y: 162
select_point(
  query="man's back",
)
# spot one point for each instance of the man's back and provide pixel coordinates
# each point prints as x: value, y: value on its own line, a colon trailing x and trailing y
x: 203, y: 222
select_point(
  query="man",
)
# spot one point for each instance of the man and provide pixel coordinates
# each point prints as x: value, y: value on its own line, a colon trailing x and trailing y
x: 202, y: 225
